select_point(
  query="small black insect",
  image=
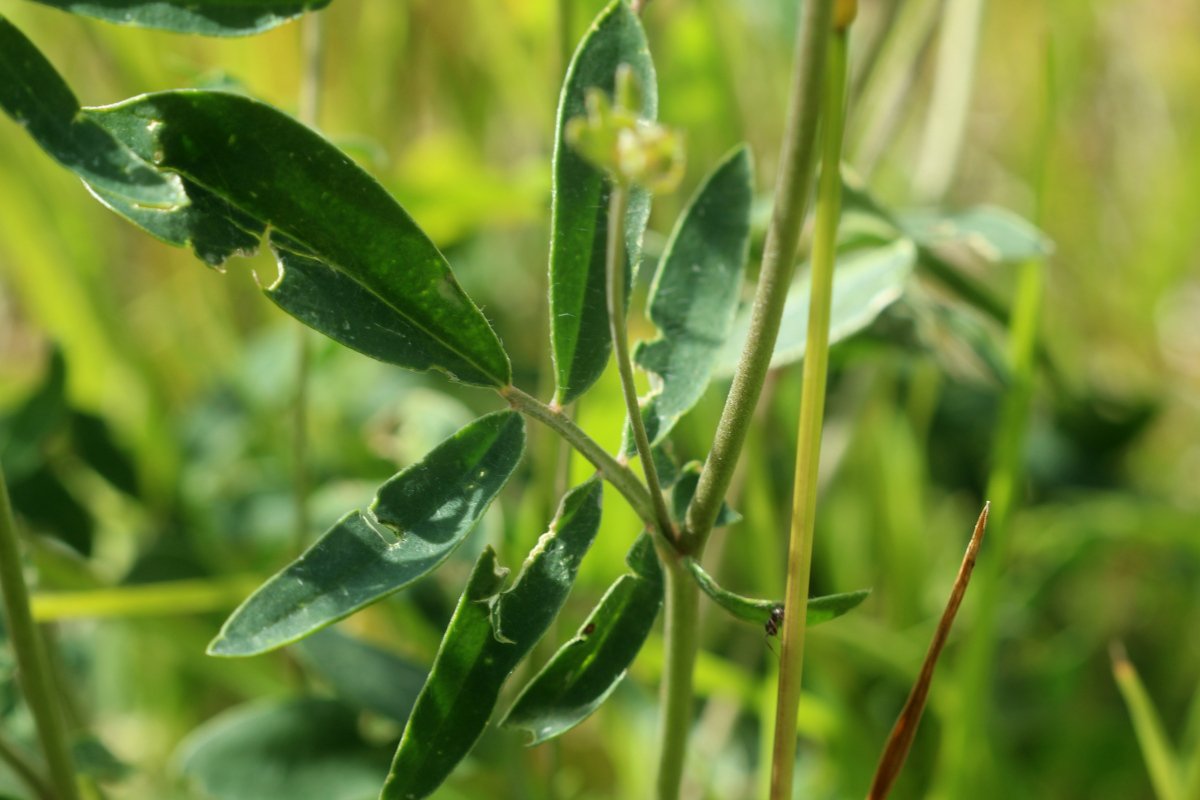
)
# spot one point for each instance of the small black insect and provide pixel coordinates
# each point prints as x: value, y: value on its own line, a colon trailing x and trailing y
x: 589, y: 628
x: 774, y: 621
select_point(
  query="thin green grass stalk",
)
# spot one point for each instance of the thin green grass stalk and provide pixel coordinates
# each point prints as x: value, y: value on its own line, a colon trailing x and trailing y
x: 961, y: 765
x: 33, y: 666
x: 1160, y: 758
x: 812, y: 412
x: 796, y: 164
x: 311, y: 46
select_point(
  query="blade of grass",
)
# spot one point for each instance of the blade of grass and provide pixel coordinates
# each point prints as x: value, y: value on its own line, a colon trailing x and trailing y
x: 1160, y: 758
x: 901, y: 738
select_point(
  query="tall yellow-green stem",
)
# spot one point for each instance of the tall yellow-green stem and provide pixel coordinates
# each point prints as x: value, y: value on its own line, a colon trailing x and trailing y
x: 812, y: 412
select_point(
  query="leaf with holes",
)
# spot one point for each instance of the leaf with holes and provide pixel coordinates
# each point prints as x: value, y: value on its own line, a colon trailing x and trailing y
x: 417, y: 520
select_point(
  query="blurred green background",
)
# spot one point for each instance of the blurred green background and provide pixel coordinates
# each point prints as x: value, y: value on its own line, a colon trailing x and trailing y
x: 167, y: 454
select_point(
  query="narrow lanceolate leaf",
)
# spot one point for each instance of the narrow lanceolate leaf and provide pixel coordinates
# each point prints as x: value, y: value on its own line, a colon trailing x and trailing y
x: 694, y: 297
x: 900, y: 740
x: 586, y: 670
x: 280, y: 173
x: 993, y: 234
x: 206, y: 17
x: 579, y: 331
x: 301, y: 749
x: 1162, y: 763
x: 865, y: 282
x: 417, y: 520
x: 820, y: 609
x: 37, y: 99
x: 489, y: 635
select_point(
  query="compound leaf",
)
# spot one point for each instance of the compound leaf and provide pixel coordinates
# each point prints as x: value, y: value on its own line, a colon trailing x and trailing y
x: 490, y: 633
x: 586, y: 670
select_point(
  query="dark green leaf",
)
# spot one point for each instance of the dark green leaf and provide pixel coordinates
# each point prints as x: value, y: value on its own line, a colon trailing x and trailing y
x: 417, y: 520
x: 685, y: 489
x: 586, y: 670
x: 695, y: 293
x: 820, y: 609
x: 993, y: 234
x: 281, y: 173
x: 487, y: 638
x: 95, y: 445
x: 364, y: 675
x: 206, y: 17
x: 38, y: 99
x: 213, y: 229
x: 332, y: 303
x: 865, y: 282
x: 578, y: 312
x: 27, y: 429
x: 299, y: 749
x: 44, y: 501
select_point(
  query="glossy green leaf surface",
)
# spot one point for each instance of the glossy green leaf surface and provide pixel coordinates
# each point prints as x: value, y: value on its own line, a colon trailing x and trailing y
x: 301, y: 749
x: 363, y: 675
x: 579, y: 335
x: 36, y: 97
x: 334, y: 304
x: 417, y: 520
x: 586, y: 670
x: 994, y: 234
x: 277, y: 171
x: 695, y: 294
x: 820, y: 609
x: 865, y: 282
x: 489, y: 635
x: 206, y: 17
x: 213, y: 229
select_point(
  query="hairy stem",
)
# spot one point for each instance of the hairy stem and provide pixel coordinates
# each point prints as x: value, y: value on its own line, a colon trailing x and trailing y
x: 812, y: 412
x: 612, y: 470
x: 33, y: 666
x: 779, y: 262
x: 615, y: 277
x: 681, y: 634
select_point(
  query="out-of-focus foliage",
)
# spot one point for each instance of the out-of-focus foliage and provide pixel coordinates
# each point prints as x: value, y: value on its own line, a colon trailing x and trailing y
x: 165, y: 453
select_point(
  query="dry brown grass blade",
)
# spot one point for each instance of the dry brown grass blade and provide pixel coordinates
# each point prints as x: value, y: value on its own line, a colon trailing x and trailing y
x: 901, y: 738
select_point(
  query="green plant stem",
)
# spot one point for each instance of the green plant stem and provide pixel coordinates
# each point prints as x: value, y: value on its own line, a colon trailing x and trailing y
x: 615, y: 277
x: 779, y: 264
x: 309, y: 109
x: 681, y: 635
x: 613, y: 471
x: 23, y: 767
x: 32, y: 664
x: 812, y: 413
